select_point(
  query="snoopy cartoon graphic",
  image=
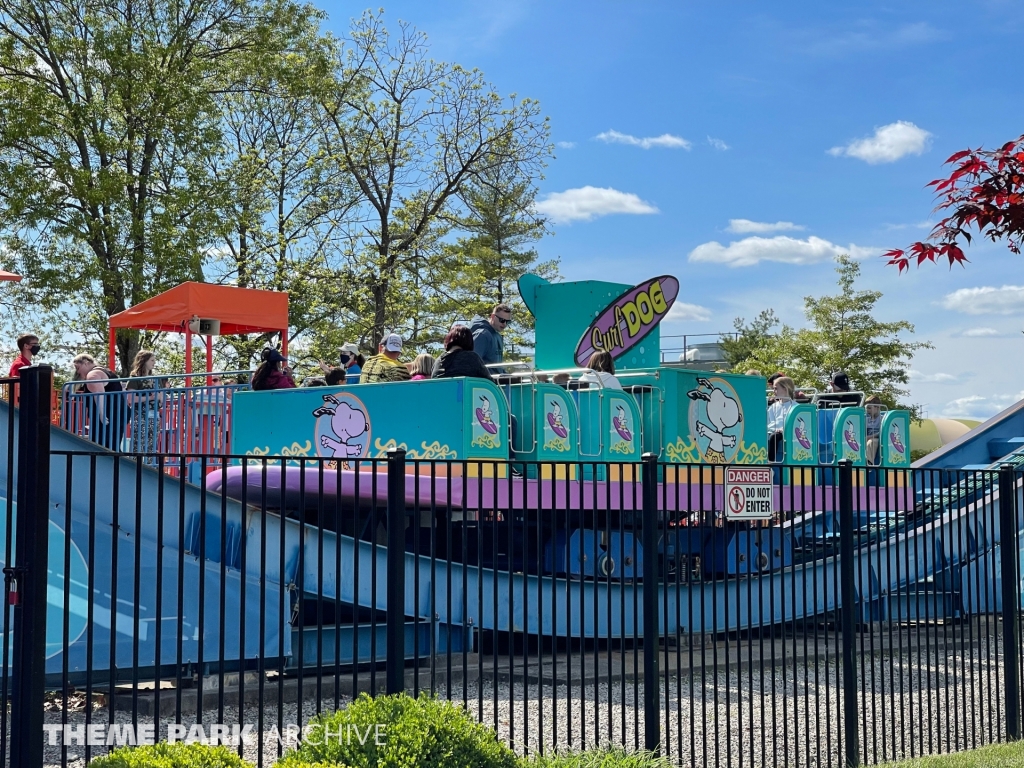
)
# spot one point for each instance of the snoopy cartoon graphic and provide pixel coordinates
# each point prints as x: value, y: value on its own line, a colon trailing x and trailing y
x: 621, y: 424
x: 483, y: 416
x: 555, y: 419
x: 347, y: 423
x: 723, y: 412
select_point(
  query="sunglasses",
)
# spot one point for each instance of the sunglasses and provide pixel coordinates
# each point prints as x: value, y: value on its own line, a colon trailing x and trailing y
x: 503, y: 320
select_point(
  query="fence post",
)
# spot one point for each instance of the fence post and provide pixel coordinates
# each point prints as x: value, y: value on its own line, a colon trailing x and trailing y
x: 396, y: 573
x: 847, y: 614
x: 651, y: 628
x: 26, y: 580
x: 1008, y: 556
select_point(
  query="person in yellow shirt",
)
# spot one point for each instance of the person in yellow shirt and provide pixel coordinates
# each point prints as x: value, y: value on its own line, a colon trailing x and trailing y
x: 384, y: 367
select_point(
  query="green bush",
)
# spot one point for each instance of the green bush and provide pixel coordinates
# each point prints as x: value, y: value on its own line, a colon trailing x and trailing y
x: 165, y: 755
x: 612, y: 757
x: 413, y: 733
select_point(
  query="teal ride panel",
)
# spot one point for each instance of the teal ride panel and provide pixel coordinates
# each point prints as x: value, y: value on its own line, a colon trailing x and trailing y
x: 894, y: 439
x: 707, y: 418
x: 800, y: 433
x: 848, y: 436
x: 433, y: 419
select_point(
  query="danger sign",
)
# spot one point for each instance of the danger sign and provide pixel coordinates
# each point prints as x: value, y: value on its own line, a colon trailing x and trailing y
x: 748, y: 493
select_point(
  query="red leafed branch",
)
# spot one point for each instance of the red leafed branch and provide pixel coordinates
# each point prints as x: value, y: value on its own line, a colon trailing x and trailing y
x: 985, y: 192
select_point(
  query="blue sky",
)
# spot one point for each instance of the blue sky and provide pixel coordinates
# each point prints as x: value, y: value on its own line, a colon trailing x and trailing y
x: 739, y: 146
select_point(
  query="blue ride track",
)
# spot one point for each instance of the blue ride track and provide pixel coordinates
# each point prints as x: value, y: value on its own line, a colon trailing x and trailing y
x: 245, y: 569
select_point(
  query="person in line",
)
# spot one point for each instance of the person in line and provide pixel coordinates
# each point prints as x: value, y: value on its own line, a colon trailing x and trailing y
x: 351, y: 362
x: 103, y: 404
x: 872, y: 427
x: 384, y: 366
x: 487, y: 340
x: 422, y: 367
x: 601, y: 371
x: 752, y: 372
x: 783, y: 401
x: 839, y: 387
x: 145, y: 404
x: 771, y: 385
x: 459, y: 357
x: 270, y: 374
x: 28, y: 348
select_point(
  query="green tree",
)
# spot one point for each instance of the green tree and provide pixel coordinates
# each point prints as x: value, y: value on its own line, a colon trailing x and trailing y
x: 285, y: 226
x: 483, y: 268
x: 748, y: 337
x: 844, y: 335
x: 110, y: 115
x: 412, y: 133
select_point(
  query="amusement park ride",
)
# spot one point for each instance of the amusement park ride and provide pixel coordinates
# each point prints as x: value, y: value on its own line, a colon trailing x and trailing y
x: 517, y: 486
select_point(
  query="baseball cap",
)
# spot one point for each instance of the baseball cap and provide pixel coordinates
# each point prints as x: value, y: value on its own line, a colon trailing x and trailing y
x: 392, y: 342
x: 841, y: 380
x: 273, y: 356
x: 349, y: 348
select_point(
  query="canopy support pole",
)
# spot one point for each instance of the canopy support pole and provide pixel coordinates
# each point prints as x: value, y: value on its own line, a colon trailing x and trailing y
x: 284, y: 343
x: 188, y: 356
x: 112, y: 349
x: 209, y: 358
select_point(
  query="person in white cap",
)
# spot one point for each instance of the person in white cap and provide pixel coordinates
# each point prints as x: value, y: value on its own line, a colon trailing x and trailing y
x: 352, y: 362
x: 384, y: 367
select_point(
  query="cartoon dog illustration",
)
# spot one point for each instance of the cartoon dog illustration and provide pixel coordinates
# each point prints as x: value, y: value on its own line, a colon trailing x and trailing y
x: 555, y: 419
x: 347, y: 423
x: 723, y: 412
x: 483, y: 416
x: 800, y: 432
x: 896, y: 439
x: 850, y: 436
x: 621, y: 424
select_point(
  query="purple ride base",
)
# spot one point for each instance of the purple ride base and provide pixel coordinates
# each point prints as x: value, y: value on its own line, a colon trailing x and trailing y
x: 470, y: 493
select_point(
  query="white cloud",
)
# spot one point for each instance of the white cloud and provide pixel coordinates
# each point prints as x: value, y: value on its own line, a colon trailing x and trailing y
x: 978, y: 406
x: 975, y: 332
x: 746, y: 226
x: 666, y: 140
x: 987, y: 300
x: 586, y: 203
x: 788, y: 250
x: 890, y: 143
x: 919, y: 225
x: 935, y: 378
x: 683, y: 311
x: 718, y: 144
x: 566, y: 144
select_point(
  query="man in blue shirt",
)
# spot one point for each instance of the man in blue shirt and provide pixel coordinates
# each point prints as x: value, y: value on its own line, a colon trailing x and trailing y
x: 487, y: 341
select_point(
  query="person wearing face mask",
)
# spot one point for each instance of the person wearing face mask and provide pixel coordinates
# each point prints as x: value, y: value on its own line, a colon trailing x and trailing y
x: 28, y: 348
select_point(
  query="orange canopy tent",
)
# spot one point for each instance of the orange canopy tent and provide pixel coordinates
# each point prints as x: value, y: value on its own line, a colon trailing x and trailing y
x: 9, y: 277
x: 239, y: 310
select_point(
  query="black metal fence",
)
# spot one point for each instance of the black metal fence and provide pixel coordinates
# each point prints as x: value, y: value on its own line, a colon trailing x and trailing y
x: 565, y: 605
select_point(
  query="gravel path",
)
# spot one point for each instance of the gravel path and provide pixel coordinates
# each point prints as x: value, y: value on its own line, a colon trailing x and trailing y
x: 749, y: 717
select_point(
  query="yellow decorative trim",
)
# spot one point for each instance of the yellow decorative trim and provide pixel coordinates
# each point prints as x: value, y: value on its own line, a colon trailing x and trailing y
x: 487, y: 440
x: 751, y: 453
x: 433, y: 451
x: 559, y: 444
x: 297, y: 450
x: 801, y: 454
x: 622, y: 447
x: 683, y: 453
x: 260, y: 452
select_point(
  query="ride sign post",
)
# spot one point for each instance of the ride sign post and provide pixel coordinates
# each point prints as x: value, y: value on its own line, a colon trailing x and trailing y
x: 749, y: 494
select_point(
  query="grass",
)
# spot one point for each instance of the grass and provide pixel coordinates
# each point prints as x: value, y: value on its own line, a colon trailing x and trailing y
x: 995, y: 756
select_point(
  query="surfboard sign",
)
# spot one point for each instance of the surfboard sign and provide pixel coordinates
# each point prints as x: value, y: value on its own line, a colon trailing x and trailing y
x: 627, y: 320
